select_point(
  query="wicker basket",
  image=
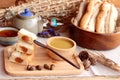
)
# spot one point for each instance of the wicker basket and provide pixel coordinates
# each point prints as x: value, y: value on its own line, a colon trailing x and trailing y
x: 63, y: 9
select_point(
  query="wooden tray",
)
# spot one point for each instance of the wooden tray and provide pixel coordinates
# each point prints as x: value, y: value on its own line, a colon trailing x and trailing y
x: 41, y: 58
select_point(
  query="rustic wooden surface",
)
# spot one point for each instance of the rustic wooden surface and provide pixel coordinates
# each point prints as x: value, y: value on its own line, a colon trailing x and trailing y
x: 4, y: 4
x: 9, y: 3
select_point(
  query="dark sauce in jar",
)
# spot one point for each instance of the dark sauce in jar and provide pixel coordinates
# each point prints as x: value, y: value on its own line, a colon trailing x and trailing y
x: 8, y: 33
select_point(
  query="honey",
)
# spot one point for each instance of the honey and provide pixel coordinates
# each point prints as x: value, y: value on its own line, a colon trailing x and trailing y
x: 8, y: 33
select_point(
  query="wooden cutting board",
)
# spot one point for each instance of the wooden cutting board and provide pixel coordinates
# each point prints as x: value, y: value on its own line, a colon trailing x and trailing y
x: 41, y: 58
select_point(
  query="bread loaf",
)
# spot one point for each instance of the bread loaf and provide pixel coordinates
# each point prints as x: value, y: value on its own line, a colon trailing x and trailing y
x: 88, y: 20
x: 82, y: 8
x: 113, y: 18
x: 102, y: 17
x: 97, y: 16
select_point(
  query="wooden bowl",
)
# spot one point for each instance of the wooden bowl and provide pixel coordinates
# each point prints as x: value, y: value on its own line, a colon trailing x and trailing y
x: 63, y: 45
x: 93, y: 40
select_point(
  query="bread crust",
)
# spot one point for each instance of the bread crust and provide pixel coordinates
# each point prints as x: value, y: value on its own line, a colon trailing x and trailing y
x: 84, y: 24
x: 92, y: 22
x: 82, y: 8
x: 97, y: 16
x: 113, y: 19
x: 100, y: 21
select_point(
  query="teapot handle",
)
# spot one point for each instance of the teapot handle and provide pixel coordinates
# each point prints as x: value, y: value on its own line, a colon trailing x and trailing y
x: 40, y: 24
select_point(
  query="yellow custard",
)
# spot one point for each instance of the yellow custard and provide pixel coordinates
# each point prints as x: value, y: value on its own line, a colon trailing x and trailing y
x: 61, y: 43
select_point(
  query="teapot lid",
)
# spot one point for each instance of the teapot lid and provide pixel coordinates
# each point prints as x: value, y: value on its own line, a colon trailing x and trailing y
x: 27, y: 13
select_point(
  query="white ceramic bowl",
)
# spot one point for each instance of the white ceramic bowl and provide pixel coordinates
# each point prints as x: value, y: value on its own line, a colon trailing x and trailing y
x: 5, y: 40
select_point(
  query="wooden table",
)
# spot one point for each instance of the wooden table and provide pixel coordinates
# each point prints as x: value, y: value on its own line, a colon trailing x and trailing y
x: 8, y: 3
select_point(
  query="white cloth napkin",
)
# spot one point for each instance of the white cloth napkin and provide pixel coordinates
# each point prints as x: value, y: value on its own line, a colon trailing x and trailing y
x: 102, y: 70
